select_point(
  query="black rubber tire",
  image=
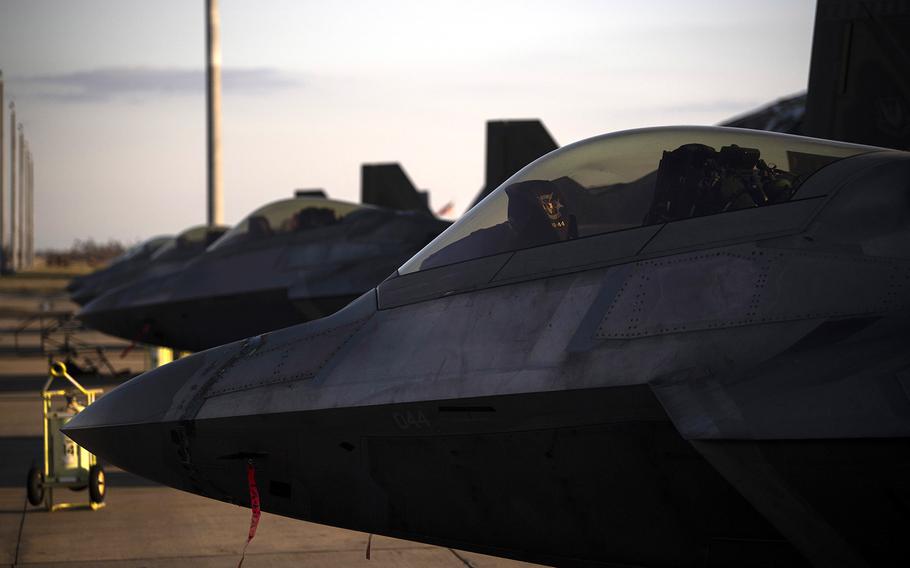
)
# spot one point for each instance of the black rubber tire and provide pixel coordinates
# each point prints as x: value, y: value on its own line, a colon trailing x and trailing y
x: 96, y: 484
x: 35, y: 486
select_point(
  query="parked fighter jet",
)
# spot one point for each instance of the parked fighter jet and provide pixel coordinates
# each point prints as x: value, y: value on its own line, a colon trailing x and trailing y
x: 784, y: 115
x: 155, y: 257
x: 83, y: 289
x: 289, y: 261
x: 663, y: 347
x: 293, y: 274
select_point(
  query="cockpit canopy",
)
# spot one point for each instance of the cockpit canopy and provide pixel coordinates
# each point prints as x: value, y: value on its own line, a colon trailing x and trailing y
x: 194, y: 239
x: 143, y: 250
x: 285, y: 217
x: 631, y: 179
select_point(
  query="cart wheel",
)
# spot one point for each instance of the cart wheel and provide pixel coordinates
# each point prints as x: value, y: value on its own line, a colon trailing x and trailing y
x: 96, y: 484
x: 35, y: 486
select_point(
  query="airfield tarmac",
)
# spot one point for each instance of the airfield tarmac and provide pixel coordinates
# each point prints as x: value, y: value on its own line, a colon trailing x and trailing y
x: 145, y: 524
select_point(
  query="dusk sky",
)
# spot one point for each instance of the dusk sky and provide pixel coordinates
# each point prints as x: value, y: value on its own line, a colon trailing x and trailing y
x: 111, y: 92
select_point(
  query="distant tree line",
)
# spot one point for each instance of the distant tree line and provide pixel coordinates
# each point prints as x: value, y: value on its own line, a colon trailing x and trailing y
x: 83, y: 251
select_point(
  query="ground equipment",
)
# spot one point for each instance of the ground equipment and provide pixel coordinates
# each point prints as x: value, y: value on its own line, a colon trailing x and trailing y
x: 66, y: 464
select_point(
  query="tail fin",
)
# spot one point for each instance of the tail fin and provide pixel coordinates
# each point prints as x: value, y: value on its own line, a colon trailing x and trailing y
x: 387, y: 185
x: 859, y: 90
x: 512, y: 145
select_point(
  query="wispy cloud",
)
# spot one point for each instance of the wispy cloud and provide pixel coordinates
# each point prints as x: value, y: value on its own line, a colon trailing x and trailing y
x: 148, y: 82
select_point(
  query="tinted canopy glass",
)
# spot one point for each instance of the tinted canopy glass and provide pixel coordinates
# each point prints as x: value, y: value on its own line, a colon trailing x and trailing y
x: 193, y: 239
x: 143, y: 249
x: 287, y: 216
x: 630, y: 179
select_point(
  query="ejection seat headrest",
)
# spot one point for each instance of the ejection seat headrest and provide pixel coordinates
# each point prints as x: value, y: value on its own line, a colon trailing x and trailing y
x: 259, y: 227
x: 539, y: 213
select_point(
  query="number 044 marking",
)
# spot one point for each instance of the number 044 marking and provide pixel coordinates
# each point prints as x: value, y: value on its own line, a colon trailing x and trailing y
x: 410, y: 419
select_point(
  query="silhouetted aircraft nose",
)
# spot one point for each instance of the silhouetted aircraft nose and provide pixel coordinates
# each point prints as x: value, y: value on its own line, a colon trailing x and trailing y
x: 74, y: 284
x: 104, y: 313
x: 96, y: 307
x: 83, y: 294
x: 127, y: 426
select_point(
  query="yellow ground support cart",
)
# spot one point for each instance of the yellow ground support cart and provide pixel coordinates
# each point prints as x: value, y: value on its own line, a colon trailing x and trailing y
x: 66, y: 464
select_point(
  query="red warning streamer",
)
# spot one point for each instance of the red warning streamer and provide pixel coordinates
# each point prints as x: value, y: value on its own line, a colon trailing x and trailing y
x: 141, y: 335
x: 254, y: 507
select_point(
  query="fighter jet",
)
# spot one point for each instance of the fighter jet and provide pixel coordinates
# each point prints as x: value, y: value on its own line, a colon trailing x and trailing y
x: 155, y: 257
x: 289, y: 261
x: 83, y: 289
x: 784, y: 115
x: 681, y: 346
x: 286, y: 264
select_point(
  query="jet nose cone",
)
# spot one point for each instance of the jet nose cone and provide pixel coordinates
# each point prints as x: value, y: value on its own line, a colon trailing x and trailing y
x: 132, y: 310
x: 126, y: 426
x: 105, y: 313
x: 83, y: 294
x: 74, y: 284
x: 98, y: 305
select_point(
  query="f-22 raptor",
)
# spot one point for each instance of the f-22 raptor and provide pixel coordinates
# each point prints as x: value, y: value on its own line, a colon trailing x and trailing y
x: 679, y: 346
x: 299, y: 259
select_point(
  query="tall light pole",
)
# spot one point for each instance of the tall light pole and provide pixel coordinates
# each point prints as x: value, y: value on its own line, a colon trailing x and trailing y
x: 29, y: 210
x: 20, y: 252
x: 3, y: 257
x: 12, y: 187
x: 24, y: 205
x: 215, y: 202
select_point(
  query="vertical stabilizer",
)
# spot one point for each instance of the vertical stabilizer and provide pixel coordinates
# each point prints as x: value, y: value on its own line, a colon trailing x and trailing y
x: 512, y: 145
x: 859, y: 88
x: 387, y: 185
